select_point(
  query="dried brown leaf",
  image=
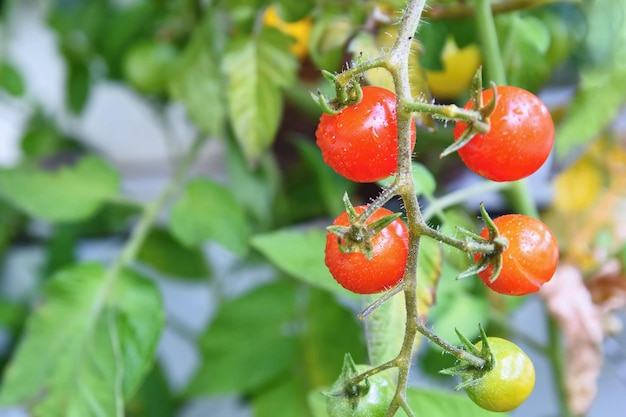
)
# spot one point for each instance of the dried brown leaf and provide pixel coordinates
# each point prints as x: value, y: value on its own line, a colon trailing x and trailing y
x: 570, y: 303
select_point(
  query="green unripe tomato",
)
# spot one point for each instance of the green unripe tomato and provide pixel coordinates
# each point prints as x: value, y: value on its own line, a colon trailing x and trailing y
x: 509, y: 383
x: 357, y: 403
x: 147, y: 65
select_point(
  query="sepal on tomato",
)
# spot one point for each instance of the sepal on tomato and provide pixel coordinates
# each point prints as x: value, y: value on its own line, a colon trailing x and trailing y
x: 357, y: 237
x: 346, y: 95
x: 490, y: 248
x: 477, y: 126
x: 343, y: 387
x: 470, y: 373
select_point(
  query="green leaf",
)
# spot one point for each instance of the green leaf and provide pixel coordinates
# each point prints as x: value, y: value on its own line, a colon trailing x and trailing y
x: 457, y: 306
x: 77, y: 87
x: 41, y: 138
x: 257, y: 187
x: 197, y: 81
x: 526, y: 40
x: 167, y: 256
x: 385, y: 329
x: 324, y: 345
x: 87, y: 346
x: 328, y: 183
x: 11, y: 222
x: 291, y: 11
x: 595, y: 105
x: 300, y: 253
x: 429, y: 270
x: 252, y: 340
x: 209, y: 211
x: 428, y: 402
x: 256, y: 68
x: 425, y: 183
x: 70, y: 193
x: 10, y: 79
x: 153, y: 399
x: 289, y: 394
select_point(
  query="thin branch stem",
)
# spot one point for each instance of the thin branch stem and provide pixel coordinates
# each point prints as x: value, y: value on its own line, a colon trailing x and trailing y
x: 445, y: 111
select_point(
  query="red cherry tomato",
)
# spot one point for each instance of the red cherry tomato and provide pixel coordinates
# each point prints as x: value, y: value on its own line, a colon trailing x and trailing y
x: 530, y: 259
x: 519, y: 140
x: 386, y: 266
x: 361, y: 142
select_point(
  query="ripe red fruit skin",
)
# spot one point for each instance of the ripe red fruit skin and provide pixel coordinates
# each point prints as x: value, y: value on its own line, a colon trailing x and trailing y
x: 361, y: 142
x: 530, y: 259
x: 384, y: 270
x: 519, y: 141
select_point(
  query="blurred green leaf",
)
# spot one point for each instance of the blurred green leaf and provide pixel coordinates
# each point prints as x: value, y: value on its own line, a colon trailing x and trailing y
x: 324, y: 345
x: 329, y: 185
x: 60, y: 247
x: 290, y: 10
x: 41, y: 138
x: 153, y: 399
x: 10, y: 79
x: 300, y: 253
x: 166, y: 255
x: 67, y: 194
x: 432, y: 35
x: 385, y: 328
x: 328, y: 40
x: 87, y: 346
x: 457, y: 306
x: 11, y: 221
x: 425, y: 183
x: 289, y: 393
x: 258, y: 187
x: 429, y: 402
x: 429, y: 270
x: 597, y: 102
x: 252, y: 340
x: 209, y: 211
x: 126, y: 25
x: 12, y: 314
x: 257, y: 68
x: 78, y: 85
x: 197, y: 82
x: 524, y: 41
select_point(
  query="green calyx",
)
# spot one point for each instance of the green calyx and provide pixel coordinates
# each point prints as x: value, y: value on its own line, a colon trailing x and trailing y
x: 345, y: 388
x: 346, y: 95
x: 469, y: 372
x: 490, y: 248
x: 357, y: 237
x: 481, y: 125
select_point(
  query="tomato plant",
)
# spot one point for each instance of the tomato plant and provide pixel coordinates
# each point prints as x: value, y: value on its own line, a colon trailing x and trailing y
x: 383, y: 270
x: 370, y: 398
x: 361, y: 142
x: 530, y: 258
x: 510, y: 381
x: 519, y: 140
